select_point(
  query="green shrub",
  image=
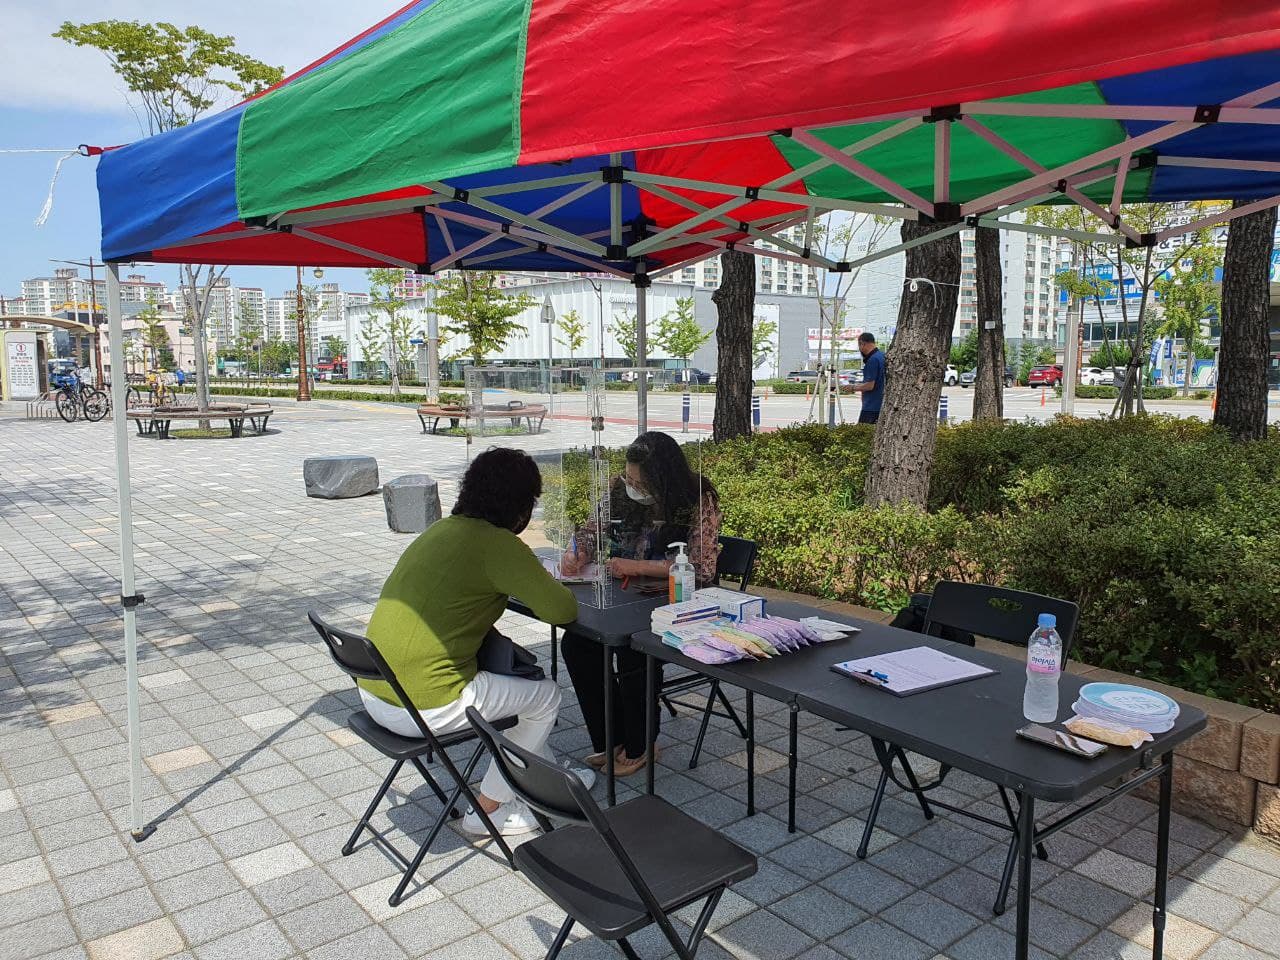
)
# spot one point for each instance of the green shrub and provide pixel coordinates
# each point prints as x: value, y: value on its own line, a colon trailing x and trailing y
x: 1086, y: 391
x: 1164, y: 531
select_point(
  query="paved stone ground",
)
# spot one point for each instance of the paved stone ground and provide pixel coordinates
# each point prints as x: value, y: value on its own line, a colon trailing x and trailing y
x: 254, y: 781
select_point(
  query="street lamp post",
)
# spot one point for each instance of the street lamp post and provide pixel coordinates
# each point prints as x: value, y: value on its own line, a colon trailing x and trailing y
x: 600, y: 315
x: 549, y: 318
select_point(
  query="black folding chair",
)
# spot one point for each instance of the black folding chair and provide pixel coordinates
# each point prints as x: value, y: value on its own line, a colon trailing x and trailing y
x: 359, y: 659
x: 615, y: 871
x: 737, y: 561
x: 998, y: 614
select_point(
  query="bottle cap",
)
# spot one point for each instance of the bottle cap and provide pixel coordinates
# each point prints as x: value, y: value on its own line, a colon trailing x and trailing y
x: 1047, y: 620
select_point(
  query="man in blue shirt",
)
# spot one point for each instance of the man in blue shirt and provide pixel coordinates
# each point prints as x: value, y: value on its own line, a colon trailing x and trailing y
x: 872, y: 385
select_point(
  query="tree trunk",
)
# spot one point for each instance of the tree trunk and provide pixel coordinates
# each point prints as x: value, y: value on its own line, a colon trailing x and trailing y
x: 902, y: 457
x: 1242, y: 363
x: 988, y: 385
x: 735, y: 301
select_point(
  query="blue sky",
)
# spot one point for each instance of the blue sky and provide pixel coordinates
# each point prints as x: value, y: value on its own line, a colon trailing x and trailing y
x: 56, y: 95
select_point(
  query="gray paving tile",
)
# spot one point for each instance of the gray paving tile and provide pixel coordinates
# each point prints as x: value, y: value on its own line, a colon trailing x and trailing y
x: 217, y: 917
x: 818, y: 912
x: 874, y: 939
x: 763, y: 936
x: 929, y: 919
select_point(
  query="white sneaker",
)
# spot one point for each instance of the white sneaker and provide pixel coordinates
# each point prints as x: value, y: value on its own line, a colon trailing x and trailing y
x: 512, y: 819
x: 585, y: 775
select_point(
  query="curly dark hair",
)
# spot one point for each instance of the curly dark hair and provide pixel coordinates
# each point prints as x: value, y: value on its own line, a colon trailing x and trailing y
x: 500, y: 486
x: 668, y: 476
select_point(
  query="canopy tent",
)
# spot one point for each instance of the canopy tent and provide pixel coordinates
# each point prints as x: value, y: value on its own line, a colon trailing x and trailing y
x: 635, y: 137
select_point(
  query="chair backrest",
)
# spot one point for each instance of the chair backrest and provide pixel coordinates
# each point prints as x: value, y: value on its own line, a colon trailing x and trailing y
x: 998, y: 613
x: 737, y: 560
x: 347, y: 650
x: 359, y: 658
x: 550, y: 790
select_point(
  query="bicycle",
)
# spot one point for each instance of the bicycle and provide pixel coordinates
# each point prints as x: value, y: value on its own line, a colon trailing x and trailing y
x: 77, y: 397
x: 157, y: 393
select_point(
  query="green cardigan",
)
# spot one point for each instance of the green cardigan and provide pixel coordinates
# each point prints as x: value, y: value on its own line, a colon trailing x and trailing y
x: 448, y: 589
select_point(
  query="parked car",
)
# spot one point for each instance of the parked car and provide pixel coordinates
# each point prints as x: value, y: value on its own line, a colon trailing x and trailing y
x: 1045, y: 375
x: 951, y: 376
x: 694, y: 375
x: 969, y: 376
x: 1096, y: 376
x: 629, y: 376
x: 849, y: 377
x: 802, y: 376
x: 62, y: 373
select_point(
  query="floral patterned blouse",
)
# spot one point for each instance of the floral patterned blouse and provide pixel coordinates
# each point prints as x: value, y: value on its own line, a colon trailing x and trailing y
x: 648, y: 542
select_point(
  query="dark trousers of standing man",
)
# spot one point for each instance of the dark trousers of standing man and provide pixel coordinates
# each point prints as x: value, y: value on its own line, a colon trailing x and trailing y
x: 869, y: 416
x: 585, y: 662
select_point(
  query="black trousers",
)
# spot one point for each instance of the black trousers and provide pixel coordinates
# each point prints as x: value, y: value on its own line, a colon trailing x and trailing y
x: 869, y: 416
x: 585, y: 662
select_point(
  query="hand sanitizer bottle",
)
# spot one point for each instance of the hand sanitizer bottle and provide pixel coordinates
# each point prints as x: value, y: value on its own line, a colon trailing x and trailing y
x: 680, y: 579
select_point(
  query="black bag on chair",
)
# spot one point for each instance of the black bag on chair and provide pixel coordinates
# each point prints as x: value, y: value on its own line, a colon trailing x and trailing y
x: 913, y: 616
x: 501, y: 655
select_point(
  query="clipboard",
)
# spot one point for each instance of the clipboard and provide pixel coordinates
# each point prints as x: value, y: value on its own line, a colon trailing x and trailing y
x: 915, y: 670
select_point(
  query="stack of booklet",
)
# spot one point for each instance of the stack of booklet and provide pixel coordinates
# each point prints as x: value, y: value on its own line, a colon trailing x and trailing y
x: 682, y: 614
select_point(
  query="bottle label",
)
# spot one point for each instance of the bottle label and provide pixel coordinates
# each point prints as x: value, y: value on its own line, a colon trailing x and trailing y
x: 1042, y: 660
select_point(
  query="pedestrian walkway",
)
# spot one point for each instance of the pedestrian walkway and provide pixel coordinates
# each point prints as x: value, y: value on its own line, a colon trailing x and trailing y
x: 254, y: 781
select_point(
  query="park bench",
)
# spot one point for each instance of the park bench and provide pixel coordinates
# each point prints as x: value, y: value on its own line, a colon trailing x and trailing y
x: 516, y: 411
x: 157, y: 420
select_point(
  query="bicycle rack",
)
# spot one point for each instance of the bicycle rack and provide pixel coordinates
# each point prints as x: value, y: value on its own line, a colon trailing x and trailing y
x: 42, y: 410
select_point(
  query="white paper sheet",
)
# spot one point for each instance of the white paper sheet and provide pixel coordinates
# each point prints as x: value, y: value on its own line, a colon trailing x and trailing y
x: 587, y: 574
x: 913, y: 670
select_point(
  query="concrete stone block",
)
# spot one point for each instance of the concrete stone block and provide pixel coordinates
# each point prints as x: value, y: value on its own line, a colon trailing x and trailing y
x: 1266, y: 821
x: 412, y: 502
x: 340, y: 477
x: 1201, y: 788
x: 1260, y: 748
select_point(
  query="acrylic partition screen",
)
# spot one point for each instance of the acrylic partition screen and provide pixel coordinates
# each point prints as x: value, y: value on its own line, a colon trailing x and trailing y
x: 577, y: 425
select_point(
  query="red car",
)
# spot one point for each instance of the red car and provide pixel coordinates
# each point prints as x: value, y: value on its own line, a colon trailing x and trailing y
x: 1045, y: 375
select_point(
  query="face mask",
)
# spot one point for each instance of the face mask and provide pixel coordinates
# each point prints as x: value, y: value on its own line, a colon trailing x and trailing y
x: 637, y: 496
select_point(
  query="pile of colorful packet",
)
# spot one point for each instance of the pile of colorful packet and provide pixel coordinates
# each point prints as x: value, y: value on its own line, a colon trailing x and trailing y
x: 756, y: 638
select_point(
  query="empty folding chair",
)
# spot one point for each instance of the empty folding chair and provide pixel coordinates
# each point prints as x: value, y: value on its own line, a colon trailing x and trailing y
x: 615, y: 871
x: 998, y: 614
x: 359, y: 659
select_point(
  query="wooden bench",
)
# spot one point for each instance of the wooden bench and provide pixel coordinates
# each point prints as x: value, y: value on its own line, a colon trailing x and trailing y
x: 157, y: 420
x: 515, y: 411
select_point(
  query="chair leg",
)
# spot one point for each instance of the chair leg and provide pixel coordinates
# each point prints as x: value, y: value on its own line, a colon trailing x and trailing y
x: 718, y: 692
x: 1006, y: 876
x: 873, y: 813
x: 702, y: 733
x: 461, y: 779
x: 704, y: 917
x: 915, y: 784
x: 350, y: 845
x: 628, y: 951
x: 558, y: 943
x: 555, y: 654
x: 671, y: 707
x: 435, y: 787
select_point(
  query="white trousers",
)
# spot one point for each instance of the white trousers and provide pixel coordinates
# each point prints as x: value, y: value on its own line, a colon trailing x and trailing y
x: 534, y: 702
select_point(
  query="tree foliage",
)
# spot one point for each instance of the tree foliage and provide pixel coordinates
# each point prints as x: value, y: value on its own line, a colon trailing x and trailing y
x: 964, y: 355
x: 626, y: 330
x: 574, y: 330
x: 762, y: 346
x: 678, y: 332
x: 386, y: 304
x: 1190, y: 296
x: 172, y: 74
x: 477, y: 309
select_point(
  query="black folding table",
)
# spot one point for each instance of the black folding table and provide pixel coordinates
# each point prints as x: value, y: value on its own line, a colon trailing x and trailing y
x: 969, y: 726
x: 612, y: 627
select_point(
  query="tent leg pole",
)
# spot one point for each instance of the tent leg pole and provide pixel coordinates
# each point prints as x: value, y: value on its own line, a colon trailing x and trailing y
x: 128, y: 593
x: 642, y: 282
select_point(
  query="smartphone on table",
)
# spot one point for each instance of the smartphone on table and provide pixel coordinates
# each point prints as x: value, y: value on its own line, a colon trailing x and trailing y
x: 1061, y: 740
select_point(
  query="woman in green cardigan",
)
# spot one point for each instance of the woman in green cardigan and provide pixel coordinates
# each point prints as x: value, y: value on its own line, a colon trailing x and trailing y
x: 442, y: 599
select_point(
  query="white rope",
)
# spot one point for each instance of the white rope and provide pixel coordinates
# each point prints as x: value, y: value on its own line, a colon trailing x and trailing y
x: 48, y: 201
x: 40, y: 150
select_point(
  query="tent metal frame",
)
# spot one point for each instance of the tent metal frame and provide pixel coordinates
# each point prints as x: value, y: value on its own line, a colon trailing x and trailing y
x: 709, y: 230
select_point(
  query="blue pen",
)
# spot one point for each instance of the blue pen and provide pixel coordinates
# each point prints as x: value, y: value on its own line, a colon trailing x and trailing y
x: 882, y: 677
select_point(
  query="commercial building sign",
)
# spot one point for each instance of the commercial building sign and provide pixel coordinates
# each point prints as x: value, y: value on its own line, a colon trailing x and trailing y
x: 819, y: 339
x: 21, y: 366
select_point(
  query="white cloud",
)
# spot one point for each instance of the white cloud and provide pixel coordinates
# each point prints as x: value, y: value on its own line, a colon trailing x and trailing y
x: 37, y: 71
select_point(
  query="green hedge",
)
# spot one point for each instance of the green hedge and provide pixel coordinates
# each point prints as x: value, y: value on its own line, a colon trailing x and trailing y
x: 1164, y: 531
x: 405, y: 397
x: 1103, y: 392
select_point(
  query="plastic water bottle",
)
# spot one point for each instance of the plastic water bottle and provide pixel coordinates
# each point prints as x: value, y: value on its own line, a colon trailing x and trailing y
x: 1044, y: 667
